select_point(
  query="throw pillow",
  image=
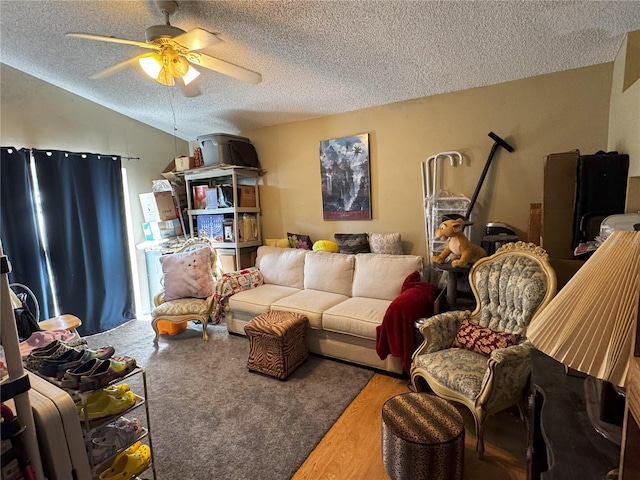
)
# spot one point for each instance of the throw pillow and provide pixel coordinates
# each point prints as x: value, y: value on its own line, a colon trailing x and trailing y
x: 326, y: 246
x: 386, y: 243
x: 352, y: 242
x: 277, y: 242
x: 187, y: 274
x: 299, y: 241
x: 482, y: 340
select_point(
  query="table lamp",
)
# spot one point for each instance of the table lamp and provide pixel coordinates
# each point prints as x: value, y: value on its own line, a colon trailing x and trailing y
x: 591, y: 324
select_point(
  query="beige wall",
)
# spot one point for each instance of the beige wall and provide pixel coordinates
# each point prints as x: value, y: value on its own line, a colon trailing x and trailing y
x: 624, y: 116
x: 35, y: 114
x: 538, y: 116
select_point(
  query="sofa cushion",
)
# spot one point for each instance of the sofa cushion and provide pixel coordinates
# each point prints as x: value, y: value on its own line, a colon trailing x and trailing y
x: 381, y: 276
x: 258, y: 300
x: 356, y: 316
x: 329, y: 272
x: 281, y: 266
x: 310, y: 303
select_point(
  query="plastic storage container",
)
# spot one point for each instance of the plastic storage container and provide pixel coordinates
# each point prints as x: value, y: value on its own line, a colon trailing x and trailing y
x: 224, y: 149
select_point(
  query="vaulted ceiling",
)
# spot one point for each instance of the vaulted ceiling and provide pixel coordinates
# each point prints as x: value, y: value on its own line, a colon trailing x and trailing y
x: 316, y: 57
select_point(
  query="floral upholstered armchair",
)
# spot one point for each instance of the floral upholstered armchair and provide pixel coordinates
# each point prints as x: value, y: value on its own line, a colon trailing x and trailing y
x: 188, y: 279
x: 481, y: 359
x: 191, y: 291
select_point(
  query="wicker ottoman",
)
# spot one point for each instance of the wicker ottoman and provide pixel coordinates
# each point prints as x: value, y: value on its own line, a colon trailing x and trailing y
x: 422, y: 438
x: 276, y: 343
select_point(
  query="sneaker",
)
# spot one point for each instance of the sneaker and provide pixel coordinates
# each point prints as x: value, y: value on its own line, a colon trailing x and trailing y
x: 56, y: 367
x: 116, y: 436
x: 52, y: 351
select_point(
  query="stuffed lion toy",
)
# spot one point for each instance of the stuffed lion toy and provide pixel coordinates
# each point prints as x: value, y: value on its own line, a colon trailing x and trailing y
x: 462, y: 251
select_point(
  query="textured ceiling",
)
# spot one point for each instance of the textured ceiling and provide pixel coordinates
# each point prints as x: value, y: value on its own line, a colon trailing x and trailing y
x: 316, y: 57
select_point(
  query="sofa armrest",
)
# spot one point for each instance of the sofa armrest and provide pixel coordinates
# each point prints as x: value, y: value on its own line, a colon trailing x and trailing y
x: 158, y: 298
x: 231, y: 283
x: 508, y: 368
x: 439, y: 331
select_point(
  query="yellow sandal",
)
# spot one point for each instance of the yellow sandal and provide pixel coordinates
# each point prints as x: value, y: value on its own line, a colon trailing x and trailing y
x: 129, y: 463
x: 109, y: 405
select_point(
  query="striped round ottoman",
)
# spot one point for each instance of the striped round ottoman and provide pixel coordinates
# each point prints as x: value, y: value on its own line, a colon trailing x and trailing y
x: 422, y: 438
x: 276, y: 343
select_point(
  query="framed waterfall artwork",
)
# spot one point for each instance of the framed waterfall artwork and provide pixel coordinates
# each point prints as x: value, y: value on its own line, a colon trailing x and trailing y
x: 346, y: 178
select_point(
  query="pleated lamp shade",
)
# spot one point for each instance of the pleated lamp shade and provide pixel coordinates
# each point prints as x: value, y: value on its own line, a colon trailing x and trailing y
x: 590, y: 325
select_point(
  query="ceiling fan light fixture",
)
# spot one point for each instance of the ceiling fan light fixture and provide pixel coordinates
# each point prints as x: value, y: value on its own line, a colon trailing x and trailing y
x: 174, y: 50
x: 191, y: 75
x: 165, y: 77
x: 151, y: 64
x: 178, y: 66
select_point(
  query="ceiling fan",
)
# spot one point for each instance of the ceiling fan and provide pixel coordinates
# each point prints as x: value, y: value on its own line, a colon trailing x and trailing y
x: 174, y: 54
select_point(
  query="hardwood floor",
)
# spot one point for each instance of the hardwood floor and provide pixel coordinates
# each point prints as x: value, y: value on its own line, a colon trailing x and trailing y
x: 351, y: 449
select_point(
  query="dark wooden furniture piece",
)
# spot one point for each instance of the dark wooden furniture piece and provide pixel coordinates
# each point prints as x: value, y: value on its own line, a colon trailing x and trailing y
x: 563, y: 445
x: 630, y: 461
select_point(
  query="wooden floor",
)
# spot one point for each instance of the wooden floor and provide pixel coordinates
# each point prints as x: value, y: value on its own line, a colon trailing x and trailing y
x: 351, y: 449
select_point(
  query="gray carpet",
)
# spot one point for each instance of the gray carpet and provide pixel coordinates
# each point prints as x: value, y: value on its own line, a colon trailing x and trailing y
x: 212, y: 419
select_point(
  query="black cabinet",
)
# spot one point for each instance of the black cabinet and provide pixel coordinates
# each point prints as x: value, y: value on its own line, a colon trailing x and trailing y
x: 563, y: 445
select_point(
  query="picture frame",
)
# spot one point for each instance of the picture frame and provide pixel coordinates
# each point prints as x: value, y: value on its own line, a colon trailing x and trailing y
x: 346, y: 178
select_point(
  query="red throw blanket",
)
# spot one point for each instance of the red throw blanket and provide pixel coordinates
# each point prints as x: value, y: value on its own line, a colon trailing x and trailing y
x: 396, y: 334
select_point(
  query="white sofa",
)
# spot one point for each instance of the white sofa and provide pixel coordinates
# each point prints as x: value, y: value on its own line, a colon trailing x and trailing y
x: 344, y: 297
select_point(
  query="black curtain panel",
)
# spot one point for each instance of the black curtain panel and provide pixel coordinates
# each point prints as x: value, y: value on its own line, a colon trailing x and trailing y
x: 83, y: 207
x: 19, y: 227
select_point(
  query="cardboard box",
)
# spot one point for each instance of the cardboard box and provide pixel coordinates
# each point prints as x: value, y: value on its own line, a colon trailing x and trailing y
x: 160, y: 230
x: 184, y: 163
x: 247, y: 195
x: 169, y: 172
x: 248, y: 227
x: 157, y: 206
x: 226, y: 259
x: 211, y: 226
x: 559, y: 191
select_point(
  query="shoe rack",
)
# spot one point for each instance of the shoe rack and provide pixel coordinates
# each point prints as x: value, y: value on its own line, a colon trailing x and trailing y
x: 91, y: 427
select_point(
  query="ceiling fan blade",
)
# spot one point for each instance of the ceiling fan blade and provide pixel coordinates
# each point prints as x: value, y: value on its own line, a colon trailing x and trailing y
x: 188, y: 90
x: 196, y: 39
x: 223, y: 67
x: 132, y: 62
x: 101, y: 38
